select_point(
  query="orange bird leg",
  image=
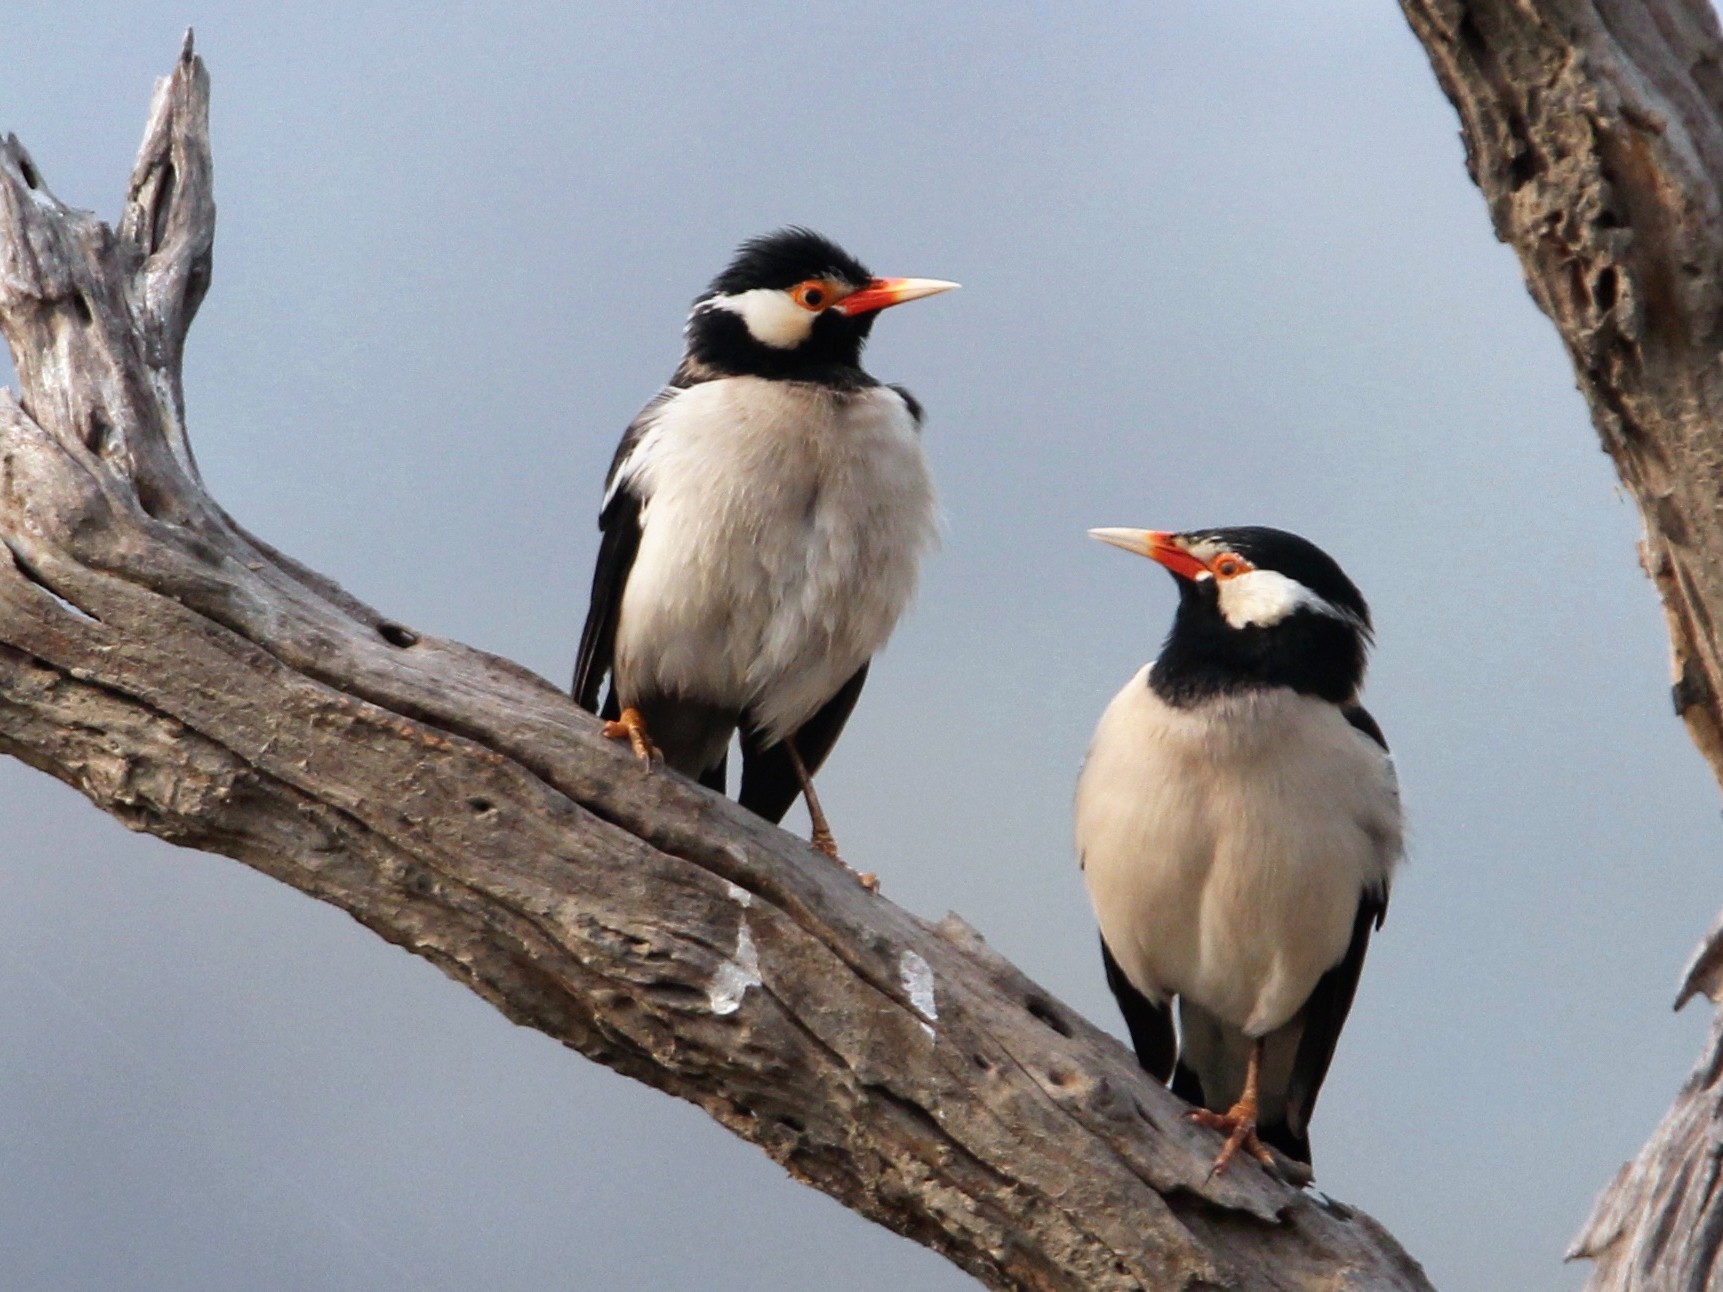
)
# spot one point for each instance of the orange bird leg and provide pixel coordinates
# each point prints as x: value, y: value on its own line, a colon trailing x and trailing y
x: 632, y: 728
x: 1238, y: 1123
x: 822, y: 835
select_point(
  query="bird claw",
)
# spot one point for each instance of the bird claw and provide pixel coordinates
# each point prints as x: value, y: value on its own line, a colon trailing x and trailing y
x: 630, y: 726
x: 825, y: 842
x: 1238, y: 1124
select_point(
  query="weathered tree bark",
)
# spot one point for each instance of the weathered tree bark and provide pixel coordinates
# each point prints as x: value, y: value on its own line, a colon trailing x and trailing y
x: 199, y: 685
x: 1595, y: 130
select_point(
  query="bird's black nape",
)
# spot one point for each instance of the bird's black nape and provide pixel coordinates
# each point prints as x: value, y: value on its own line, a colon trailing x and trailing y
x: 1314, y: 650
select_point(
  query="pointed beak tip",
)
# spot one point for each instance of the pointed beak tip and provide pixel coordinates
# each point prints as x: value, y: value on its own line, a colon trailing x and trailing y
x: 915, y: 289
x: 1131, y: 540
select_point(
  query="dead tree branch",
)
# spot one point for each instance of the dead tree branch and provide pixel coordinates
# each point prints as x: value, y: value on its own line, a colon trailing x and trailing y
x: 199, y: 685
x: 1595, y: 130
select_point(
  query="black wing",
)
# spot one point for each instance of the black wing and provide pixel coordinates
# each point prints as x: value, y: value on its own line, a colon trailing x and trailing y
x: 1324, y: 1015
x: 1326, y: 1010
x: 1151, y: 1025
x: 1361, y: 720
x: 910, y: 402
x: 619, y: 522
x: 769, y: 781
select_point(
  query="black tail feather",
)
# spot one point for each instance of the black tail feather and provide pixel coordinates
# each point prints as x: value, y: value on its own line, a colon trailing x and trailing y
x: 1280, y: 1135
x: 769, y: 781
x: 1151, y: 1025
x: 714, y: 777
x: 1188, y: 1086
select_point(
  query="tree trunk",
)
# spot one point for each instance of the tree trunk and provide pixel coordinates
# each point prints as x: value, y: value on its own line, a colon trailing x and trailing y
x: 1595, y: 130
x: 197, y: 684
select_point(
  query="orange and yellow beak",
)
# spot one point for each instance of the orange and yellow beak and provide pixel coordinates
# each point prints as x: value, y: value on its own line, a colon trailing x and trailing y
x: 882, y: 293
x: 1156, y: 544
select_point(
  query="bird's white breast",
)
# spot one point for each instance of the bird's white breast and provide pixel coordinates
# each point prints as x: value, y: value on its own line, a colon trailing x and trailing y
x: 781, y: 538
x: 1226, y: 845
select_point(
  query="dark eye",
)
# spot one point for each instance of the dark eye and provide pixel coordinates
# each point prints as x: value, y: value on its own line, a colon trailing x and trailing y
x: 810, y: 296
x: 1228, y: 566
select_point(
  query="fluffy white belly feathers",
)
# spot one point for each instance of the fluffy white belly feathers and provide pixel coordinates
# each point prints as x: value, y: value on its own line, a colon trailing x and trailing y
x: 785, y: 521
x: 1225, y: 845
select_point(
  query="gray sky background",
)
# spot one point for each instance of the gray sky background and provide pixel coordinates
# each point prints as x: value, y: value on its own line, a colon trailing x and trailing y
x: 1221, y: 264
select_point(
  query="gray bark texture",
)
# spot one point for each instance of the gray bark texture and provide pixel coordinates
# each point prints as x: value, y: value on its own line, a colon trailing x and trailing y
x: 199, y: 685
x: 1594, y: 129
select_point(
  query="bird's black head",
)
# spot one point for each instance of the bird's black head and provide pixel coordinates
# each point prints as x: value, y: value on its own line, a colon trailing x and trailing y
x: 1258, y: 607
x: 792, y: 306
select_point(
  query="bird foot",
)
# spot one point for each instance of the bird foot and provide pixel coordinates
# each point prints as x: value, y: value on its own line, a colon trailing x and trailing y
x: 823, y: 840
x: 1238, y: 1124
x: 632, y: 728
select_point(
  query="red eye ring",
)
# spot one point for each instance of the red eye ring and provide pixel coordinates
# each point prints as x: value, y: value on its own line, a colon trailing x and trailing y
x: 1230, y: 566
x: 814, y: 295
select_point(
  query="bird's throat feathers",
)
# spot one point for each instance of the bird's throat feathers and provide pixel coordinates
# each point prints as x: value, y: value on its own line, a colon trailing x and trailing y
x: 1258, y: 637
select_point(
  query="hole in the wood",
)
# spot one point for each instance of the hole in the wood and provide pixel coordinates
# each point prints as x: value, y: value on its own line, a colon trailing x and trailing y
x: 1604, y: 288
x: 1469, y: 35
x: 196, y: 285
x: 96, y: 431
x: 481, y: 805
x: 982, y: 1062
x: 31, y: 179
x: 155, y: 503
x: 81, y: 307
x: 795, y: 1125
x: 1064, y: 1078
x: 1042, y: 1008
x: 1524, y: 168
x: 397, y: 634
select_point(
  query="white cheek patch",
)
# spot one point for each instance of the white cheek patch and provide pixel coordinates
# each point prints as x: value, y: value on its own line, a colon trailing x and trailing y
x: 1262, y: 598
x: 771, y: 317
x: 1259, y: 598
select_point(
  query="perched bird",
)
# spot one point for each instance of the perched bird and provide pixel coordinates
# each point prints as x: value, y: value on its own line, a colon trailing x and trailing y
x: 1238, y: 823
x: 763, y: 524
